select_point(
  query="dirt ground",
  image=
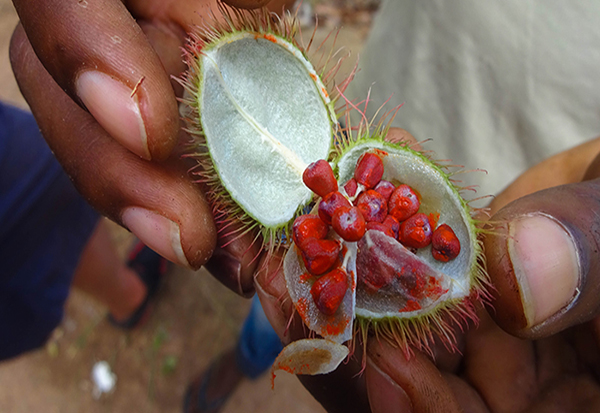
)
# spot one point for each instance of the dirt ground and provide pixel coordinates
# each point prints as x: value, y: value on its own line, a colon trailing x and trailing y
x: 194, y: 318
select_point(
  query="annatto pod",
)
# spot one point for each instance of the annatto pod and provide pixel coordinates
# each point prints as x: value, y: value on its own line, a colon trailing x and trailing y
x: 260, y: 115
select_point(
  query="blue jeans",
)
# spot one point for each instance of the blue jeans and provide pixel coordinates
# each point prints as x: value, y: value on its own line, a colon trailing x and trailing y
x: 258, y: 345
x: 44, y: 226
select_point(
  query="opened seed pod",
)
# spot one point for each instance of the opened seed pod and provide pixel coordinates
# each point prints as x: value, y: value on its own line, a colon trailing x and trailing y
x: 390, y: 246
x: 259, y: 114
x: 413, y: 282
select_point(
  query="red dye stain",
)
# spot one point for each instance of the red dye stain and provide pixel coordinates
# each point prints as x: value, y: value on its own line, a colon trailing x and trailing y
x: 330, y: 204
x: 303, y: 369
x: 369, y: 170
x: 349, y: 223
x: 411, y: 305
x: 372, y: 205
x: 335, y: 328
x: 306, y: 277
x: 308, y: 226
x: 319, y: 255
x: 351, y: 187
x: 302, y: 307
x: 433, y: 219
x: 434, y: 289
x: 270, y: 38
x: 329, y: 291
x: 445, y: 245
x: 380, y: 152
x: 403, y: 203
x: 319, y: 178
x: 416, y: 232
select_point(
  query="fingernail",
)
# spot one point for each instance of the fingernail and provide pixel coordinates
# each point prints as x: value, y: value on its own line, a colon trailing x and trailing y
x: 225, y: 268
x: 157, y: 232
x: 113, y: 106
x: 385, y: 395
x: 546, y: 266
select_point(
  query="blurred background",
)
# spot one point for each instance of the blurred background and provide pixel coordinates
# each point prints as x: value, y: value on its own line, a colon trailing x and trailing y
x: 194, y: 318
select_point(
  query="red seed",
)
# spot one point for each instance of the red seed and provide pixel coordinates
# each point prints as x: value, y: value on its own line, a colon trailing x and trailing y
x: 329, y: 291
x: 385, y: 188
x: 319, y: 178
x: 377, y: 226
x: 416, y: 232
x: 369, y: 170
x: 403, y: 203
x: 445, y: 245
x: 330, y: 204
x: 308, y: 226
x: 372, y: 205
x: 349, y: 223
x: 393, y: 223
x: 351, y: 187
x: 319, y: 255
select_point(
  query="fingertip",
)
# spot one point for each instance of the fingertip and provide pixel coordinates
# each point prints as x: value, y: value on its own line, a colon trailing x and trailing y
x: 543, y: 259
x: 546, y: 266
x: 116, y: 108
x: 385, y: 395
x: 399, y: 135
x: 413, y: 381
x: 163, y: 235
x: 534, y: 264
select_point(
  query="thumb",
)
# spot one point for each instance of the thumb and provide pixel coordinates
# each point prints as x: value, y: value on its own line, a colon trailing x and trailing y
x: 544, y: 261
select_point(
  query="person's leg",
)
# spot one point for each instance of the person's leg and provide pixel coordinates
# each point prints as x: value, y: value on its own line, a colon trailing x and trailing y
x: 45, y: 226
x: 101, y: 274
x: 254, y: 353
x: 47, y: 231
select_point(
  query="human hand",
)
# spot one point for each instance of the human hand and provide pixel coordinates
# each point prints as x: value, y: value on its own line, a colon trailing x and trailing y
x: 96, y: 76
x: 555, y: 367
x: 546, y: 293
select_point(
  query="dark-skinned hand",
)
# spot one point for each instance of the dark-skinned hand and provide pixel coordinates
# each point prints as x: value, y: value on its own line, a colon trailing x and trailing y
x: 96, y: 75
x: 78, y: 65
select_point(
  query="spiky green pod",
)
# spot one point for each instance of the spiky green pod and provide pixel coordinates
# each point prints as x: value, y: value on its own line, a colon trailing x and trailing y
x: 259, y: 115
x: 446, y: 302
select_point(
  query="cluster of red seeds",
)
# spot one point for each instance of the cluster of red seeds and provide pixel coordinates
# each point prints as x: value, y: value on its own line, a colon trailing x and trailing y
x: 380, y: 206
x: 319, y: 254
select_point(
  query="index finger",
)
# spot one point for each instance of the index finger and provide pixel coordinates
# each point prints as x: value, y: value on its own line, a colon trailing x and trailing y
x: 98, y: 54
